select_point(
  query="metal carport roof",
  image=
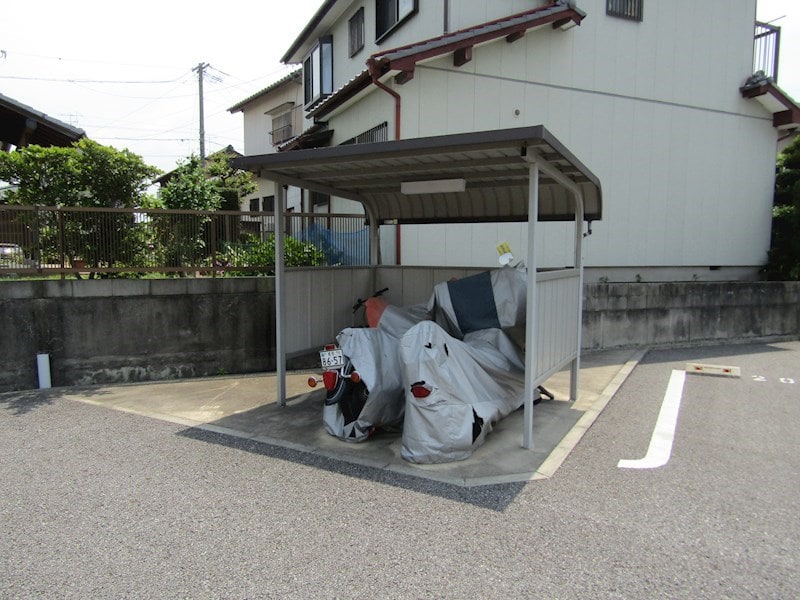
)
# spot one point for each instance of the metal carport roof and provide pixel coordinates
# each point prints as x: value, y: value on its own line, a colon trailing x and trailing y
x: 489, y: 176
x: 493, y: 164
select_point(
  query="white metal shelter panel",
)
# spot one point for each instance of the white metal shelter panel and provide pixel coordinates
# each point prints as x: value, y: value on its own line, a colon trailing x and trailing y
x: 557, y: 328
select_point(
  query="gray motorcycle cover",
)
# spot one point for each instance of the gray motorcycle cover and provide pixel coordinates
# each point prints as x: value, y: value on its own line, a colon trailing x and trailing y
x: 375, y: 354
x: 475, y: 372
x: 473, y: 383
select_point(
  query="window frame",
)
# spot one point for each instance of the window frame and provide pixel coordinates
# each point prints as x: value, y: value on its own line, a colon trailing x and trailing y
x: 356, y: 31
x: 318, y: 199
x: 403, y: 10
x: 631, y: 10
x: 318, y: 71
x: 285, y: 121
x: 379, y: 133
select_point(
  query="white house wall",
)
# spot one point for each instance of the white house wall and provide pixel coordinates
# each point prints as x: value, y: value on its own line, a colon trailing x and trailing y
x: 468, y: 14
x: 376, y: 108
x: 652, y: 108
x: 429, y: 22
x: 257, y: 140
x: 258, y: 123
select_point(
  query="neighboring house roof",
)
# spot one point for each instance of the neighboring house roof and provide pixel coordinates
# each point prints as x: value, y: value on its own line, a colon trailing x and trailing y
x: 785, y: 111
x: 315, y: 136
x: 460, y: 43
x: 230, y: 150
x: 21, y: 125
x: 321, y: 17
x: 295, y: 75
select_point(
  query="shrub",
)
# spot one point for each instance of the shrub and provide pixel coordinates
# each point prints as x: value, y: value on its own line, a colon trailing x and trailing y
x: 257, y: 257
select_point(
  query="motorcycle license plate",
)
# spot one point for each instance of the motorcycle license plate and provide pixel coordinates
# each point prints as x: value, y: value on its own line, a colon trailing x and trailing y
x: 331, y: 359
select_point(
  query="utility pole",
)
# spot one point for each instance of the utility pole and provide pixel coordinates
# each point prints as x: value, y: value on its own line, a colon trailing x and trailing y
x: 200, y: 68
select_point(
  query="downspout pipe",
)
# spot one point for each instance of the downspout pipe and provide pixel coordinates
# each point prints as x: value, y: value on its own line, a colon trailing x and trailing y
x: 375, y: 72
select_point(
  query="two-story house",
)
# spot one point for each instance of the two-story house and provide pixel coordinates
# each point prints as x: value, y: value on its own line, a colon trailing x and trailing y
x: 657, y: 98
x: 273, y: 117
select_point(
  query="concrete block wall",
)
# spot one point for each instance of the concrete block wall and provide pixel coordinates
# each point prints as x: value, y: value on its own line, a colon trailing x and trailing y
x: 652, y: 314
x: 110, y: 331
x: 104, y: 331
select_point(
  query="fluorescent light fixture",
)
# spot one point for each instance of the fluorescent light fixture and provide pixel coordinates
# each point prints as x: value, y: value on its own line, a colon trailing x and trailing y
x: 435, y: 186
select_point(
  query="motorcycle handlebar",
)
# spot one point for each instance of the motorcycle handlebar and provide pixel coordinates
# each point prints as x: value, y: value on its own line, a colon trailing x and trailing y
x: 361, y: 302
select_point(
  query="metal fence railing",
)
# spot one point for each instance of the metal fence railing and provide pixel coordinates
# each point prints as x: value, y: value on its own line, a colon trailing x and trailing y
x: 110, y: 242
x: 766, y: 50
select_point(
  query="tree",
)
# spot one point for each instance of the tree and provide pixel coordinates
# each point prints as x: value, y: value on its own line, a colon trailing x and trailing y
x: 231, y: 183
x: 190, y: 188
x: 784, y: 253
x: 194, y: 186
x: 211, y: 187
x: 86, y: 174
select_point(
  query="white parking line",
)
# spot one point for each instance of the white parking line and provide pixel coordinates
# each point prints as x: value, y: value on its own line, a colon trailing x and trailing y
x: 664, y: 432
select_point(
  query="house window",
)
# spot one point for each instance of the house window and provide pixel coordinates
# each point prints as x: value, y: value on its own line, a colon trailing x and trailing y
x: 391, y: 13
x: 318, y: 71
x: 379, y: 133
x: 281, y: 127
x: 254, y: 204
x: 626, y: 9
x: 357, y: 31
x: 268, y: 203
x: 318, y: 198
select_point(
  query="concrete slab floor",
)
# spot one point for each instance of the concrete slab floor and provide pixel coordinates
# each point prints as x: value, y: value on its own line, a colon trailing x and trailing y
x: 246, y: 407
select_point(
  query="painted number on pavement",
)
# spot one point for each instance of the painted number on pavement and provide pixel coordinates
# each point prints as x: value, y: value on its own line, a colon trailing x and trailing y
x: 781, y: 379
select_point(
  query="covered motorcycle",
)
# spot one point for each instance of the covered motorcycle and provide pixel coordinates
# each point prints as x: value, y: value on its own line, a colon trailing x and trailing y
x: 457, y: 390
x: 353, y: 411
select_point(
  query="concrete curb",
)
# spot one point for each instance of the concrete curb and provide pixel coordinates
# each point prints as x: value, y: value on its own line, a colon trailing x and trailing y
x: 559, y: 454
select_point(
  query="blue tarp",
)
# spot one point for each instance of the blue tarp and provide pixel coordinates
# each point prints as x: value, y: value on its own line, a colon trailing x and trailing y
x: 340, y: 248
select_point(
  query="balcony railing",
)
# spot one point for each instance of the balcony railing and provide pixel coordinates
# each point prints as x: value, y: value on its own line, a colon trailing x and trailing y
x: 103, y: 242
x: 766, y: 48
x: 281, y: 134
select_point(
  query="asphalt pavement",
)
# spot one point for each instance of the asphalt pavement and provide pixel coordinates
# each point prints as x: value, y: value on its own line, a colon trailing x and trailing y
x: 106, y: 503
x: 246, y: 407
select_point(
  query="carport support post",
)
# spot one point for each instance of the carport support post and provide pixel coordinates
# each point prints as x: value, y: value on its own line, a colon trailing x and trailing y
x: 280, y: 294
x: 530, y: 314
x: 576, y: 364
x: 374, y: 236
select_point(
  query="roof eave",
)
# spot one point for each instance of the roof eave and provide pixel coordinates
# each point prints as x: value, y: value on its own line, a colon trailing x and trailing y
x: 61, y: 128
x: 289, y: 56
x: 293, y: 76
x: 769, y: 95
x: 342, y: 96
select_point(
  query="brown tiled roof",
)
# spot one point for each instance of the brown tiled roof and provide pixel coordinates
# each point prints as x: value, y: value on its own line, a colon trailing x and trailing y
x: 785, y: 111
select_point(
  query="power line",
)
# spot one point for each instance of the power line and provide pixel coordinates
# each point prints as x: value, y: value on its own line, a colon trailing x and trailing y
x: 145, y: 139
x: 109, y: 81
x: 86, y: 60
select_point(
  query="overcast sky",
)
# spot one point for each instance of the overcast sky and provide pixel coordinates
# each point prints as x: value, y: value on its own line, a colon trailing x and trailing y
x: 123, y: 72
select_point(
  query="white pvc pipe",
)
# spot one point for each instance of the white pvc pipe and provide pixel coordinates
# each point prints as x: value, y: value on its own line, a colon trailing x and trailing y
x: 43, y: 367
